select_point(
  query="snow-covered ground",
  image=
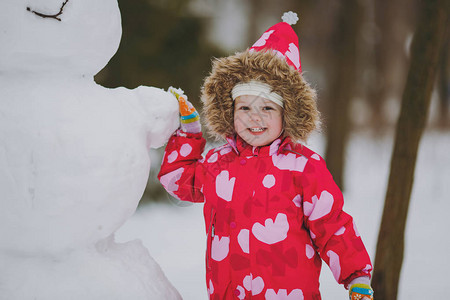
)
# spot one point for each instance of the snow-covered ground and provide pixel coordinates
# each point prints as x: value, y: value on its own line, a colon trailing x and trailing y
x: 174, y: 233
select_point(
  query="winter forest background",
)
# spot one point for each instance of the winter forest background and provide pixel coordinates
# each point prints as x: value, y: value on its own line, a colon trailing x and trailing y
x: 357, y: 54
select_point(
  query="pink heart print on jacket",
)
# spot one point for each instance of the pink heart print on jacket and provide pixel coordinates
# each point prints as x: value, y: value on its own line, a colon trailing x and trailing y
x: 282, y: 294
x: 273, y: 231
x: 225, y: 185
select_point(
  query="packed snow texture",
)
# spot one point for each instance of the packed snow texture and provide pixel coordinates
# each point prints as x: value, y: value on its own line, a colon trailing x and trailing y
x: 74, y: 156
x: 179, y: 245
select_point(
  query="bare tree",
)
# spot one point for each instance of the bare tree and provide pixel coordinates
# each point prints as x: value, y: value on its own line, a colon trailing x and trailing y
x: 255, y: 8
x: 443, y: 88
x: 341, y: 86
x: 426, y: 49
x: 386, y: 77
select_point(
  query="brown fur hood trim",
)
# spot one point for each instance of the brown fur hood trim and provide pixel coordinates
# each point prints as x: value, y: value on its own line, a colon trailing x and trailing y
x: 300, y: 115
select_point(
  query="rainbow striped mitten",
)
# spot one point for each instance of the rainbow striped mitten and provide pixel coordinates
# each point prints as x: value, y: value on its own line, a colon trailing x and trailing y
x: 359, y: 290
x: 189, y: 118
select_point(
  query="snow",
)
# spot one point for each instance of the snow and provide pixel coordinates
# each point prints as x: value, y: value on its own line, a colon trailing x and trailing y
x: 174, y: 231
x: 74, y: 157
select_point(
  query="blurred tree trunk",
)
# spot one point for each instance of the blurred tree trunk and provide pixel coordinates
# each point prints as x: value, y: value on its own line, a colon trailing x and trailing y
x: 443, y: 88
x: 342, y: 85
x: 426, y: 50
x: 386, y: 79
x: 255, y: 8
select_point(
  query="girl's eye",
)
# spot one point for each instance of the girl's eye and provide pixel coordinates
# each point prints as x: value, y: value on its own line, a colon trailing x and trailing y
x: 244, y: 108
x: 268, y: 108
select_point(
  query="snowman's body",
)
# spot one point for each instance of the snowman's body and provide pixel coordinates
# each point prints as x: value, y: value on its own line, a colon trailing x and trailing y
x: 73, y: 157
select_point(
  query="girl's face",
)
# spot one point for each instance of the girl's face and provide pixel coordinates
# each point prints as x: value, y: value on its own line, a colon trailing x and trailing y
x: 257, y: 121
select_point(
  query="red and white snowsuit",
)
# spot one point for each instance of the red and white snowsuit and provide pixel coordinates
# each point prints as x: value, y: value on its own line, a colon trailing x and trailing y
x: 271, y: 214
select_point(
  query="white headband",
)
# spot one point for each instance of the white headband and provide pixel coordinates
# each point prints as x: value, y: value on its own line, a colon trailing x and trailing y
x: 256, y: 88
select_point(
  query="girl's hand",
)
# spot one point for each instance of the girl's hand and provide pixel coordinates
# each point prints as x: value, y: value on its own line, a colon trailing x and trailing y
x: 359, y: 291
x: 189, y: 118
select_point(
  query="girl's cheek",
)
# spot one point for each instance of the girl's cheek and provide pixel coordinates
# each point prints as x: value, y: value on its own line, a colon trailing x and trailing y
x: 239, y: 119
x: 237, y: 123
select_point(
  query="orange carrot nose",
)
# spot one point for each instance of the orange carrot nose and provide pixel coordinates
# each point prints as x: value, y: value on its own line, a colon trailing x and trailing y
x: 184, y: 107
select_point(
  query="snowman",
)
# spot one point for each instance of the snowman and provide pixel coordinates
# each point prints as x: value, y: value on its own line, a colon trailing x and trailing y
x: 74, y: 156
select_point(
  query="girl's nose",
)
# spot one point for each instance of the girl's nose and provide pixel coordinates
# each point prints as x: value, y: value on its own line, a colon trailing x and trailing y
x: 257, y: 117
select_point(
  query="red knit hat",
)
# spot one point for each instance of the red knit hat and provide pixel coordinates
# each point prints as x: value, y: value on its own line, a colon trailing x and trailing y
x: 282, y: 39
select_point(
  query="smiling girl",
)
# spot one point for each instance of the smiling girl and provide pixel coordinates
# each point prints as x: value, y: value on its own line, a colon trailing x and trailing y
x: 272, y: 210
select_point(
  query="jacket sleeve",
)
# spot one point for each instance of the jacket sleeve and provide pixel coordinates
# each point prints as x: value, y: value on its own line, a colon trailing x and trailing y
x: 182, y: 170
x: 333, y: 231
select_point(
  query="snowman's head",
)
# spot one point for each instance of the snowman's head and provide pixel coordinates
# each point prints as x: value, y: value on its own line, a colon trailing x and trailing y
x: 58, y: 36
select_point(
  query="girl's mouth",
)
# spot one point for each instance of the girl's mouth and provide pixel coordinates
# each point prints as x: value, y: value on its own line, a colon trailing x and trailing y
x: 257, y: 130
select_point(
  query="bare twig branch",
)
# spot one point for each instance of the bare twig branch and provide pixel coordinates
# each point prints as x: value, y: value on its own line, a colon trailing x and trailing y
x: 55, y: 16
